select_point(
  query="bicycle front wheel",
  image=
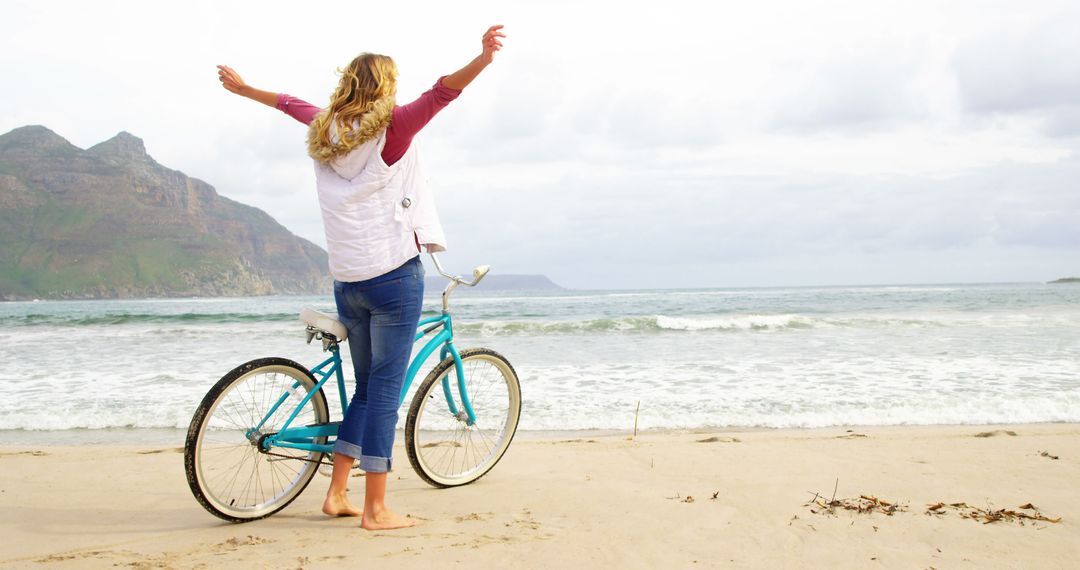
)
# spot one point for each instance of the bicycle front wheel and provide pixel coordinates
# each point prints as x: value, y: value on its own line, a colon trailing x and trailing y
x: 228, y: 471
x: 443, y: 448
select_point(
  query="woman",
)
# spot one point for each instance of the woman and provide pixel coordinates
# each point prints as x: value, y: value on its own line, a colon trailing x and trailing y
x: 377, y: 213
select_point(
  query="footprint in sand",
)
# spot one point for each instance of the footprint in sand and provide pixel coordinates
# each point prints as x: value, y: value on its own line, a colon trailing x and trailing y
x: 472, y: 517
x: 234, y: 543
x: 996, y: 433
x: 155, y: 451
x: 718, y: 439
x: 30, y: 453
x: 72, y: 556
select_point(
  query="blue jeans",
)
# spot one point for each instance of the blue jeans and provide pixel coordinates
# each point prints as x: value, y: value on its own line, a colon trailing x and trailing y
x: 381, y: 315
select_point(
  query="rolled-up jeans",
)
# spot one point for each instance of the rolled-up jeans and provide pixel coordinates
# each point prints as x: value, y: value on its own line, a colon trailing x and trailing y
x: 381, y: 314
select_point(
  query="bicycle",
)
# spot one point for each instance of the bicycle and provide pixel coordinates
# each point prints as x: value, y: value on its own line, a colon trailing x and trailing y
x: 260, y: 434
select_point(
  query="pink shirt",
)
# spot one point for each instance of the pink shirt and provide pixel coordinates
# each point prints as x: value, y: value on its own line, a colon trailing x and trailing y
x: 405, y: 122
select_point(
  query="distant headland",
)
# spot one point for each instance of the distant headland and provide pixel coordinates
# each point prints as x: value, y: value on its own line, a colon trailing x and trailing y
x: 498, y: 283
x: 1066, y: 280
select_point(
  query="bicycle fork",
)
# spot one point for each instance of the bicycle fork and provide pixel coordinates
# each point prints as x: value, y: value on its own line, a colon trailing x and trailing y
x: 467, y: 415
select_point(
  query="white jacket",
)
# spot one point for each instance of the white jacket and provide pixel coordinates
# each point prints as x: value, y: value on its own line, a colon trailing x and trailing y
x: 371, y: 211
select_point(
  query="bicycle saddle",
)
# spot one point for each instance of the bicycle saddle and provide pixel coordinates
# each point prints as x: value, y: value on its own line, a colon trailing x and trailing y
x: 324, y: 322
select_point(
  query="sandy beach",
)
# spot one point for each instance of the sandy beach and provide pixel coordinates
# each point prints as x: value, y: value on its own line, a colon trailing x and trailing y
x: 735, y: 499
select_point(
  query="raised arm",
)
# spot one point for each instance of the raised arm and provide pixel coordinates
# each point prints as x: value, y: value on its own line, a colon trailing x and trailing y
x: 294, y: 107
x: 410, y: 118
x: 464, y: 76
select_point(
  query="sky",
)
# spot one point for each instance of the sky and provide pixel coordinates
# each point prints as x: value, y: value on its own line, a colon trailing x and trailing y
x: 624, y: 144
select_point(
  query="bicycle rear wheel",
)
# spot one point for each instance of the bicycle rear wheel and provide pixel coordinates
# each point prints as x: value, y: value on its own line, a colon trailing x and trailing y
x: 443, y: 449
x: 228, y: 471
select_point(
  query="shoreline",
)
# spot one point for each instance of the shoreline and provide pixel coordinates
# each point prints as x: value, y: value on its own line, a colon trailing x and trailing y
x: 588, y: 500
x: 136, y: 437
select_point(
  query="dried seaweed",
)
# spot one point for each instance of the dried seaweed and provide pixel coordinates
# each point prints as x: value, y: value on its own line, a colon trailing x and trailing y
x: 688, y: 498
x: 869, y: 504
x: 1048, y: 454
x: 991, y: 515
x: 864, y: 504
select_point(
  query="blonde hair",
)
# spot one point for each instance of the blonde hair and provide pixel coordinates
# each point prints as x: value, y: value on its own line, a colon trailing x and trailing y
x: 360, y: 107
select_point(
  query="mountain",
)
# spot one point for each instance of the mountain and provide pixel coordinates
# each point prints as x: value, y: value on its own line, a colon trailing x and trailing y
x: 110, y: 222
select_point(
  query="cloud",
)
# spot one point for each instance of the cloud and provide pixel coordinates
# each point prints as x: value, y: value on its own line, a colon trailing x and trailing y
x: 1063, y: 122
x: 872, y: 87
x: 1038, y: 207
x: 588, y: 232
x: 1030, y: 70
x: 1021, y: 71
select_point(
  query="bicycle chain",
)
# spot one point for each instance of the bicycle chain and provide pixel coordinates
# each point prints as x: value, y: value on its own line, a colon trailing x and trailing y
x: 283, y: 456
x: 320, y: 462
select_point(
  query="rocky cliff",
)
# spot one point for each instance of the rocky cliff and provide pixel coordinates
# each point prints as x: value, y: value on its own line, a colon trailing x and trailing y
x: 109, y: 222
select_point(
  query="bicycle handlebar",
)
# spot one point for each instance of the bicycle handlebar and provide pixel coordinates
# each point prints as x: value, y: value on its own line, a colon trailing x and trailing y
x: 456, y: 280
x: 479, y: 273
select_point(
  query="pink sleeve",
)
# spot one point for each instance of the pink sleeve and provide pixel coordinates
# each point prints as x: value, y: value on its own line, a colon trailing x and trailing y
x: 407, y: 120
x: 297, y: 108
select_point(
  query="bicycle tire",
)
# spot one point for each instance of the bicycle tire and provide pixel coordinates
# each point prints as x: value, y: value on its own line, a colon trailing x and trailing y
x: 227, y: 472
x: 430, y: 425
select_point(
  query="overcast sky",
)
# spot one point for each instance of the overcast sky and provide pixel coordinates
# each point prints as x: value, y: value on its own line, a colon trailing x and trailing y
x: 624, y: 144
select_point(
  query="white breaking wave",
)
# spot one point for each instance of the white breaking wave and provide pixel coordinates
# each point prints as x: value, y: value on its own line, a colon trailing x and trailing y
x: 739, y: 322
x: 766, y: 322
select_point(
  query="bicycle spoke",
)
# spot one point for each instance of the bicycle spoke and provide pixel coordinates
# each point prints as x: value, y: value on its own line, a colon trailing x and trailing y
x: 235, y: 477
x: 229, y: 407
x: 232, y: 470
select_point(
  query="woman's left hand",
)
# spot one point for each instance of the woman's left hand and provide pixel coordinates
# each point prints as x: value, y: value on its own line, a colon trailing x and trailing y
x: 492, y: 43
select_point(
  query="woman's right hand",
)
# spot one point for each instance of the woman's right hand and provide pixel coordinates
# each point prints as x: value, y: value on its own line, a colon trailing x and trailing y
x: 464, y: 76
x: 491, y: 43
x: 231, y: 80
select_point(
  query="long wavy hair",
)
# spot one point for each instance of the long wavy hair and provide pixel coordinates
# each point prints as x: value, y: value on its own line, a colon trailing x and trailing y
x: 360, y: 107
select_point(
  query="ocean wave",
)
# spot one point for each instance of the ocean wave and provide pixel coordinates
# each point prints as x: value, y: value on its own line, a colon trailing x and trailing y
x: 727, y: 322
x: 539, y: 324
x: 736, y: 322
x: 644, y: 324
x: 652, y: 323
x: 142, y: 318
x: 503, y: 328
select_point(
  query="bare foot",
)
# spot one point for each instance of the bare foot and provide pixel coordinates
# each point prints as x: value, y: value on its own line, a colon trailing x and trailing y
x: 385, y: 519
x: 338, y: 505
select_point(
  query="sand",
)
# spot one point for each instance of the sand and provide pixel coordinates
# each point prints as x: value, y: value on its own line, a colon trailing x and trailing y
x: 586, y: 501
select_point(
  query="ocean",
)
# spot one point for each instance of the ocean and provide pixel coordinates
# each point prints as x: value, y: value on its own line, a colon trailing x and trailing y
x: 134, y: 370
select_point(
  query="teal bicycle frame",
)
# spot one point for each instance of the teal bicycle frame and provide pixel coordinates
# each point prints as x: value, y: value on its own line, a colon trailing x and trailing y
x: 303, y: 437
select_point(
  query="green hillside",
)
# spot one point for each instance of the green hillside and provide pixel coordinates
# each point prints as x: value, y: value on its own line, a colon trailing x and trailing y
x: 111, y: 222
